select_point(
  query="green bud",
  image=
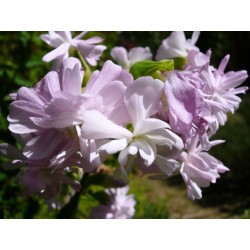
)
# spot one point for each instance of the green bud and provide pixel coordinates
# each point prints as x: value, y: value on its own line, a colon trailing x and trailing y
x: 130, y: 127
x: 179, y: 62
x: 151, y: 68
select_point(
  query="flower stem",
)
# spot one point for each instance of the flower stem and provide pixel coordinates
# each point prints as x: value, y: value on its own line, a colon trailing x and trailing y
x: 70, y: 209
x: 87, y: 70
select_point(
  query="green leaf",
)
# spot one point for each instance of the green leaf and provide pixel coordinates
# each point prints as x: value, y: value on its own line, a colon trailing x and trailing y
x: 151, y: 68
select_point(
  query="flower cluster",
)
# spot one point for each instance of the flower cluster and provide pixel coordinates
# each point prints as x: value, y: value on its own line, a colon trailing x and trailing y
x: 156, y: 116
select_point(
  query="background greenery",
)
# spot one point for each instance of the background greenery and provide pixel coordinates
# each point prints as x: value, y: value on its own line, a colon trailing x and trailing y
x: 21, y: 65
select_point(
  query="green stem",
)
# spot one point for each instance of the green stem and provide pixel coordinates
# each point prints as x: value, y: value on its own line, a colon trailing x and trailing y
x: 69, y: 210
x: 87, y: 69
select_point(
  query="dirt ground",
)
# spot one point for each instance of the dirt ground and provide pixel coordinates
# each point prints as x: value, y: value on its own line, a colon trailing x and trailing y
x: 179, y: 206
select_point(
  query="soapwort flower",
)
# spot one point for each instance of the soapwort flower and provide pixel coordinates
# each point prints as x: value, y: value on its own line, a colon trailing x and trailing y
x: 199, y: 169
x: 62, y: 41
x: 142, y: 100
x: 221, y: 89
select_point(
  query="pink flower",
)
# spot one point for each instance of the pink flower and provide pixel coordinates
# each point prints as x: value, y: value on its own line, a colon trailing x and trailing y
x: 48, y: 118
x: 127, y: 59
x: 120, y: 205
x: 62, y: 41
x: 221, y: 89
x: 185, y: 108
x: 199, y: 168
x: 53, y: 110
x: 39, y: 177
x: 49, y: 111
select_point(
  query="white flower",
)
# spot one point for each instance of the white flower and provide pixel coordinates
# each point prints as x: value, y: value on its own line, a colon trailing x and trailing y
x: 147, y: 135
x: 176, y: 45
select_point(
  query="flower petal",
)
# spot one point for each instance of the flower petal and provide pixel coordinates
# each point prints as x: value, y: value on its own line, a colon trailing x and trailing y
x: 139, y: 54
x: 97, y: 126
x: 114, y: 146
x: 167, y: 166
x: 109, y: 73
x: 142, y: 98
x: 120, y: 55
x: 71, y: 76
x: 56, y: 53
x: 147, y: 151
x: 42, y: 146
x: 89, y: 153
x: 143, y: 127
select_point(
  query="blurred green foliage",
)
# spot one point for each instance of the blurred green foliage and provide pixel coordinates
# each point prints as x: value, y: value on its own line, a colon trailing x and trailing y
x: 21, y: 65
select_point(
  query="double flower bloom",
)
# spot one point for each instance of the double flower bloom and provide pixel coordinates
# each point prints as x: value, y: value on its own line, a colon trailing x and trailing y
x: 161, y: 126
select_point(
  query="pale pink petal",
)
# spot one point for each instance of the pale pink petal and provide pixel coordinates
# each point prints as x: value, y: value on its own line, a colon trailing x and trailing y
x: 167, y: 166
x: 70, y: 76
x: 125, y: 77
x: 22, y: 110
x: 94, y: 40
x: 109, y: 72
x: 234, y: 79
x: 48, y: 86
x: 56, y: 53
x: 120, y: 55
x: 67, y: 149
x: 139, y: 54
x: 89, y: 153
x: 177, y: 39
x: 97, y: 126
x: 91, y: 52
x: 65, y: 35
x: 184, y: 103
x: 42, y: 146
x: 29, y: 95
x: 24, y: 128
x: 195, y: 37
x: 117, y: 89
x: 142, y: 98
